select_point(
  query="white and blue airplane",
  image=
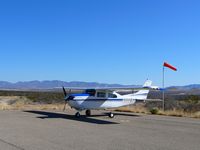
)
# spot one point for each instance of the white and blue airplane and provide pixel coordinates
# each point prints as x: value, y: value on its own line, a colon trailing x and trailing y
x: 97, y: 99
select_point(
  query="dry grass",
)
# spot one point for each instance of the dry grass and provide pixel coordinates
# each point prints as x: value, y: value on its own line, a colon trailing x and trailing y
x: 134, y: 109
x: 22, y: 103
x: 32, y: 106
x: 177, y: 113
x: 5, y: 107
x: 38, y: 107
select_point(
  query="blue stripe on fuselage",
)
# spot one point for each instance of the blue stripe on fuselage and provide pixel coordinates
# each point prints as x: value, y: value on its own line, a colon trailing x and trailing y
x: 80, y: 94
x: 96, y: 100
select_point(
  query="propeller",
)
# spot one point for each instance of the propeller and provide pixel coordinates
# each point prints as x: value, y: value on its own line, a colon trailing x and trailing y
x: 65, y: 93
x: 66, y: 97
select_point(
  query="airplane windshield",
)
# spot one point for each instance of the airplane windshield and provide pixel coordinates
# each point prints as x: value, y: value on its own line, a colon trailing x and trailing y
x: 91, y: 92
x: 110, y: 95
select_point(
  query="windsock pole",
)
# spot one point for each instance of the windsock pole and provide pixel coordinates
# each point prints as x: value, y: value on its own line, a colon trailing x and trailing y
x: 163, y: 91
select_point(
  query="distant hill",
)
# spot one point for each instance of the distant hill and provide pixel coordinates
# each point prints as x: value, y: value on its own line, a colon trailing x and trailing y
x: 186, y: 87
x: 56, y: 83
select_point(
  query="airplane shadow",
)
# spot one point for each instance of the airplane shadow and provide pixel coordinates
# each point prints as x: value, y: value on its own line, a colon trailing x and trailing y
x: 124, y: 114
x: 83, y: 118
x: 116, y: 114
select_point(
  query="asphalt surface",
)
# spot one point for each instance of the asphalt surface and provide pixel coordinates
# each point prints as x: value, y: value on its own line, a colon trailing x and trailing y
x: 48, y: 130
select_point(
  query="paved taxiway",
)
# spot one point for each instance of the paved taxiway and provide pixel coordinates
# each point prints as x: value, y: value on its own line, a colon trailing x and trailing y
x: 48, y: 130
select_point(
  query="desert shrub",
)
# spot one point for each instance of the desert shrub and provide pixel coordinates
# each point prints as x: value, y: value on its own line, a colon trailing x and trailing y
x: 154, y: 110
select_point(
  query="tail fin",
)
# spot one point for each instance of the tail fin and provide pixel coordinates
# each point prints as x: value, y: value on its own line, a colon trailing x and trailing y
x: 142, y: 94
x: 147, y: 84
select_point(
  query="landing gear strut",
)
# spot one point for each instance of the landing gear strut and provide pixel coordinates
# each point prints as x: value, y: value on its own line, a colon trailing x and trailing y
x: 111, y: 115
x: 88, y: 112
x: 77, y: 115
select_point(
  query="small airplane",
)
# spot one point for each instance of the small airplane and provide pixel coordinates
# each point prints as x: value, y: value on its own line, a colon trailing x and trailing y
x: 97, y: 99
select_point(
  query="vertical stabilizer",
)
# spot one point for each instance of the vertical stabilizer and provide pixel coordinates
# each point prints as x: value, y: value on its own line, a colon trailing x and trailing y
x: 147, y: 84
x: 142, y: 94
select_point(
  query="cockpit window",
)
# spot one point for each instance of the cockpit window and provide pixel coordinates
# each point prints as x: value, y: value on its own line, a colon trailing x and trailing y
x: 110, y: 95
x: 101, y: 94
x: 91, y: 92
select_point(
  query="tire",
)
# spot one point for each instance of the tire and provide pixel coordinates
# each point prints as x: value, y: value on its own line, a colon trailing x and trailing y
x: 77, y: 115
x: 111, y: 115
x: 88, y: 112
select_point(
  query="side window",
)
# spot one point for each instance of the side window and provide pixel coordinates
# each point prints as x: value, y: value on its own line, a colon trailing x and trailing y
x: 110, y: 95
x: 101, y: 94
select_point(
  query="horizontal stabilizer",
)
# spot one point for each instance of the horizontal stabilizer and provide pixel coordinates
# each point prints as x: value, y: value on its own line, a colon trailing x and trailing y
x: 150, y: 100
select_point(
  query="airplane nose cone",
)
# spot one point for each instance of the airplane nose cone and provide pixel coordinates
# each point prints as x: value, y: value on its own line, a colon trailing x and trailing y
x: 70, y: 97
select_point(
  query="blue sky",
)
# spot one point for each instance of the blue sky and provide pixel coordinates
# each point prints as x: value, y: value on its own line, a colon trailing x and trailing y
x: 109, y: 41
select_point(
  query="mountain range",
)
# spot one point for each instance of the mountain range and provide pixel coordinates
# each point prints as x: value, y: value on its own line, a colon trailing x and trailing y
x: 57, y: 83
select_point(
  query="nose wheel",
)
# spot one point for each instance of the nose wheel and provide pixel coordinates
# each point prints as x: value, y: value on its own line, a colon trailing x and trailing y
x: 88, y: 112
x: 111, y: 115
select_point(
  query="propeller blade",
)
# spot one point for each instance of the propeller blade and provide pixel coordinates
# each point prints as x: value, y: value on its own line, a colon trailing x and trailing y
x: 65, y: 93
x: 66, y: 97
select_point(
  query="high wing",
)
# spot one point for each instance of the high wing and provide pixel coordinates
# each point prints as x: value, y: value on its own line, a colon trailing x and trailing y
x: 147, y: 85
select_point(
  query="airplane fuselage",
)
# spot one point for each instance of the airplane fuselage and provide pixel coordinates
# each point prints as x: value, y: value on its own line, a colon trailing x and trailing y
x: 84, y: 101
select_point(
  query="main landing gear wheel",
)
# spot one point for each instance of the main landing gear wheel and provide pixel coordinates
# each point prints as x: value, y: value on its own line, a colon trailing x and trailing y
x: 88, y: 112
x: 77, y: 115
x: 111, y: 115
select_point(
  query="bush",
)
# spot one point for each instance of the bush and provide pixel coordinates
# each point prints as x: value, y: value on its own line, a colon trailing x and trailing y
x: 43, y: 97
x: 154, y: 111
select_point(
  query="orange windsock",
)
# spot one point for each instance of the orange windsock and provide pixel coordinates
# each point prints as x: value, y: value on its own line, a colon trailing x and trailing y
x: 169, y: 66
